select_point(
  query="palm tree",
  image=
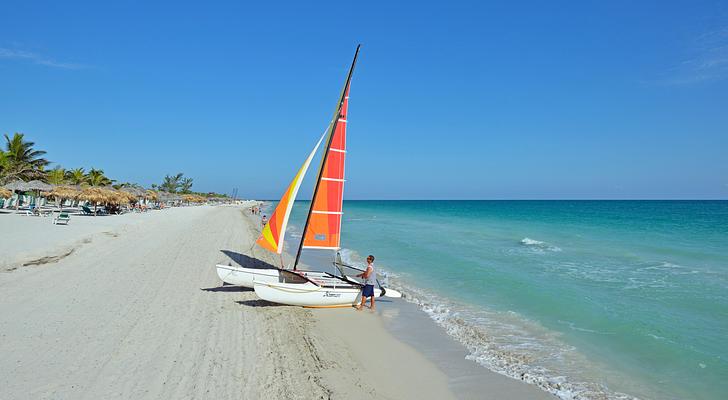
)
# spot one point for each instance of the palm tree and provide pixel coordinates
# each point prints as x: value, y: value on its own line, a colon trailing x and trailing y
x: 20, y: 160
x: 76, y: 176
x: 4, y: 164
x: 96, y: 177
x: 56, y: 176
x: 171, y: 183
x: 185, y: 185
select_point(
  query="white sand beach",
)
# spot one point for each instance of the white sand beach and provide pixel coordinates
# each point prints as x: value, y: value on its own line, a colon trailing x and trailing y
x: 130, y: 307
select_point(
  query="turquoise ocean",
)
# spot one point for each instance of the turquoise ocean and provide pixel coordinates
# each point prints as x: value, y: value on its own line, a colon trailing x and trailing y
x: 586, y: 299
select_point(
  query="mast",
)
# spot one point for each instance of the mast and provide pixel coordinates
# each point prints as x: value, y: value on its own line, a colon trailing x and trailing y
x: 326, y: 154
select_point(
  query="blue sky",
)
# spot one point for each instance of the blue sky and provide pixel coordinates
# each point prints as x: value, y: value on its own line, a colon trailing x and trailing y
x: 537, y: 99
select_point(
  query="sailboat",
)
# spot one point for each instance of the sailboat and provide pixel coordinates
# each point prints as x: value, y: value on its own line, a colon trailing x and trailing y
x: 321, y: 230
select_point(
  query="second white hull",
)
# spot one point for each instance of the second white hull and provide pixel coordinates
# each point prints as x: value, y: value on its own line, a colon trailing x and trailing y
x: 241, y: 276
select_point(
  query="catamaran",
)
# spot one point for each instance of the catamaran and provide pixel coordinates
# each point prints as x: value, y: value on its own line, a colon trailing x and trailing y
x: 321, y: 231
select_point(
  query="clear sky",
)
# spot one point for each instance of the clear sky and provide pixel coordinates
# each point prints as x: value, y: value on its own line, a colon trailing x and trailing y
x: 516, y: 99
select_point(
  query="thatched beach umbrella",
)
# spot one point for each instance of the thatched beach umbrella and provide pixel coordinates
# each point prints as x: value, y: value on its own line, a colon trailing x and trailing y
x: 64, y: 192
x: 38, y: 186
x: 17, y: 186
x: 165, y: 196
x: 5, y: 193
x: 101, y: 195
x: 95, y: 195
x: 137, y: 192
x: 132, y: 198
x: 193, y: 198
x: 121, y: 197
x: 113, y: 196
x: 20, y: 186
x: 151, y: 195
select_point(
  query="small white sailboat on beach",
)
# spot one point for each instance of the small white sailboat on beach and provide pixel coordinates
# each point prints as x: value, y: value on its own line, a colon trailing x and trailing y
x: 244, y: 276
x: 321, y: 231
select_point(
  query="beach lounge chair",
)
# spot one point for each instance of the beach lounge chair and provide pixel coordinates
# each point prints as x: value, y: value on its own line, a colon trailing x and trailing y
x: 62, y: 218
x: 86, y: 210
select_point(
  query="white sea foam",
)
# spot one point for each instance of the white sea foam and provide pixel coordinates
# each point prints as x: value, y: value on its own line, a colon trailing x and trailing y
x: 531, y: 242
x: 539, y: 246
x: 506, y: 343
x: 656, y: 337
x: 511, y: 349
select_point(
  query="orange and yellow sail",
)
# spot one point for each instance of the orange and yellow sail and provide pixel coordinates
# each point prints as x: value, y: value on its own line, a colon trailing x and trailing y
x: 324, y: 226
x: 272, y: 236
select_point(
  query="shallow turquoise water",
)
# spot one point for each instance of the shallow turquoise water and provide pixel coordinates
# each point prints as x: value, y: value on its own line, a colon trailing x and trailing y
x: 584, y: 297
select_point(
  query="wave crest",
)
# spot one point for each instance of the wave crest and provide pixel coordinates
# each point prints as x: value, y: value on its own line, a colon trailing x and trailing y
x: 538, y: 245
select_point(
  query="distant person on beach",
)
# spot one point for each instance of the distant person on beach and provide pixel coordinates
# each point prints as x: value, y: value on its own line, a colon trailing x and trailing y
x: 370, y: 279
x: 264, y: 220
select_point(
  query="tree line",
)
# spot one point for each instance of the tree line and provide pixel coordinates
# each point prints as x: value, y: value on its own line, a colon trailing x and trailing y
x: 20, y: 160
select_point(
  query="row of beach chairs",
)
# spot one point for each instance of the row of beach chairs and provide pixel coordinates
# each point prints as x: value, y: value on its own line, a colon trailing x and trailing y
x: 64, y: 216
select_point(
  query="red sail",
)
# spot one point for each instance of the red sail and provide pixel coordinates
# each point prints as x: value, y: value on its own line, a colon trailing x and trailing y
x: 324, y: 225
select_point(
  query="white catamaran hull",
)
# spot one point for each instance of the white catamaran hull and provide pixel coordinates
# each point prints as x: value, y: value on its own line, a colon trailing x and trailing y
x: 309, y: 295
x: 241, y: 276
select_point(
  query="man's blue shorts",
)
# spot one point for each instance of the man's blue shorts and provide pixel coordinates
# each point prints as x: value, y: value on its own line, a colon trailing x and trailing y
x: 368, y: 291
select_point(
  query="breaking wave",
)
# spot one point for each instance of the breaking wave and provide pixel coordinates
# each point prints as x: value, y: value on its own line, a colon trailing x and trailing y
x: 538, y: 245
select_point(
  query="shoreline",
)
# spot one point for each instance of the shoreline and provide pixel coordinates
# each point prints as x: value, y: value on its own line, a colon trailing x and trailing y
x: 87, y: 325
